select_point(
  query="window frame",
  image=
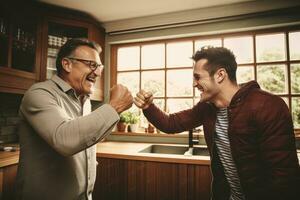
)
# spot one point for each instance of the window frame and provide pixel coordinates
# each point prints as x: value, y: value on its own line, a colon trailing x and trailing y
x: 285, y: 30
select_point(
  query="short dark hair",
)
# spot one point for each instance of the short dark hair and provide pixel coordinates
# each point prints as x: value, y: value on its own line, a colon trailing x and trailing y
x: 69, y: 47
x: 217, y: 57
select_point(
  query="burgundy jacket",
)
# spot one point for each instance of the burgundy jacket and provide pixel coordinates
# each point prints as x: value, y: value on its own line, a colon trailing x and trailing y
x: 262, y: 141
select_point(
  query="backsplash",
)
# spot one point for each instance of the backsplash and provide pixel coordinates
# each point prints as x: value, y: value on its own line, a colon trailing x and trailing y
x: 9, y: 108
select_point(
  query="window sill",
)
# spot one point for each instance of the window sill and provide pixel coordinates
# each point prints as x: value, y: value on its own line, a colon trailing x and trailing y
x: 153, y: 137
x: 182, y: 135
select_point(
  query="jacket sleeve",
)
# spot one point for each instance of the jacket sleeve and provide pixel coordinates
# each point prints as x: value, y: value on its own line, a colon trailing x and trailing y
x: 277, y: 148
x: 179, y: 121
x: 66, y: 135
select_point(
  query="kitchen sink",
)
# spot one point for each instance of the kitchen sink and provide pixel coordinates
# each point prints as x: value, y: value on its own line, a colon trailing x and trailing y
x: 180, y: 150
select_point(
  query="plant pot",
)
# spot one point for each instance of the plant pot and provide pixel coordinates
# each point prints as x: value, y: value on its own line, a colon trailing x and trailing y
x: 121, y: 126
x: 133, y: 127
x: 150, y: 128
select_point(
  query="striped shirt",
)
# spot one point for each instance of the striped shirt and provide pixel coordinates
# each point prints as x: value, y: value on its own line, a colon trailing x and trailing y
x: 224, y: 152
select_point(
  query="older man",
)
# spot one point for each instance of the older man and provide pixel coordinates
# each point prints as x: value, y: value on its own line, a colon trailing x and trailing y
x: 249, y: 132
x: 58, y: 131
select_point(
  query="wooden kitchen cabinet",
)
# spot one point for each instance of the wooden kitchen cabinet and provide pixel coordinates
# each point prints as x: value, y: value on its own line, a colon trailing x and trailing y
x: 19, y: 44
x: 7, y: 181
x: 30, y: 37
x: 135, y: 180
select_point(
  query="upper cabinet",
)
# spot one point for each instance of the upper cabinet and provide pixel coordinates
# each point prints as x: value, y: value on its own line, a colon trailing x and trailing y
x: 30, y: 40
x: 19, y: 43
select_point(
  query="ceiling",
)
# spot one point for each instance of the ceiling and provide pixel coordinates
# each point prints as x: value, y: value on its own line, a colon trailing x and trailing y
x: 112, y: 10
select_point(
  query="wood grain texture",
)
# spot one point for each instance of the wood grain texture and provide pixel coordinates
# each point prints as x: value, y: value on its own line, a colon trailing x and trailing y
x: 135, y: 180
x: 7, y: 184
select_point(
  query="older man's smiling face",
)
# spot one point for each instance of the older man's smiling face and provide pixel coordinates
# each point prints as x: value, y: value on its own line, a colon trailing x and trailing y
x: 81, y: 77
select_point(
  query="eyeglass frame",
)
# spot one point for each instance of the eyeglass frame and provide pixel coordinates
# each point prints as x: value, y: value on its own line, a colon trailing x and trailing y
x: 92, y: 64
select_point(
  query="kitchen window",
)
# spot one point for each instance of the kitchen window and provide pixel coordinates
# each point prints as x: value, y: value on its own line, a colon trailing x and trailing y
x: 271, y: 57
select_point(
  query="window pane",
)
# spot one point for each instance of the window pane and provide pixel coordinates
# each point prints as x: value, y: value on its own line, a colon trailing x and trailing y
x: 130, y: 80
x: 295, y: 78
x: 128, y: 58
x: 197, y: 92
x: 242, y: 47
x: 154, y: 81
x: 175, y: 105
x: 244, y: 74
x: 286, y: 100
x: 159, y: 103
x: 296, y: 112
x: 179, y: 83
x: 179, y: 54
x: 153, y: 56
x: 294, y: 41
x: 210, y: 42
x: 196, y: 100
x: 270, y: 47
x: 272, y: 78
x: 134, y: 109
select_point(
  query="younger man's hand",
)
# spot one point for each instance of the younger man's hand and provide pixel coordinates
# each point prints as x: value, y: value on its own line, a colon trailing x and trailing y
x: 143, y: 99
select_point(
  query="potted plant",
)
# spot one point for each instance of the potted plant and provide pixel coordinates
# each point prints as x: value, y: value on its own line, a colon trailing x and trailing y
x: 133, y: 122
x: 124, y: 119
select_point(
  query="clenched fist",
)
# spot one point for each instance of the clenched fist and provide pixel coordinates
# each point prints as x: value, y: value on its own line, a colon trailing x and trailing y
x: 143, y: 99
x: 120, y: 98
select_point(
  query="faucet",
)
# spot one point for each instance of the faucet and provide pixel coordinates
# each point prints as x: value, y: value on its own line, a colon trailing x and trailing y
x: 189, y: 152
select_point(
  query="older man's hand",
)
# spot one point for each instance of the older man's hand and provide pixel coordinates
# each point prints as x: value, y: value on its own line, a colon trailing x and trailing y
x: 120, y: 98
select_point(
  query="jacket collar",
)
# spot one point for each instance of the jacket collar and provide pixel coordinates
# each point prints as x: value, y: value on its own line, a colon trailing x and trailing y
x: 244, y: 90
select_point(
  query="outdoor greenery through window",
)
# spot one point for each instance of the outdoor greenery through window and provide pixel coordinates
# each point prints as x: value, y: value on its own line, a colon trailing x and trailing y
x: 165, y: 68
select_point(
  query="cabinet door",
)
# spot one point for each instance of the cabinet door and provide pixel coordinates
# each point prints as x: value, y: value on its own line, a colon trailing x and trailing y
x: 4, y: 38
x: 134, y: 180
x: 199, y: 182
x: 156, y: 180
x: 111, y: 180
x: 7, y: 181
x: 19, y: 62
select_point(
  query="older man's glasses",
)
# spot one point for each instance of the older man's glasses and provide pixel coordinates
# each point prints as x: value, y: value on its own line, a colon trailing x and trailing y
x: 92, y: 64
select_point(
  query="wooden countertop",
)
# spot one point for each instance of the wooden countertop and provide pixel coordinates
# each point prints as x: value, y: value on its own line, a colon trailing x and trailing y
x: 120, y: 150
x: 125, y: 150
x: 9, y: 158
x: 130, y: 151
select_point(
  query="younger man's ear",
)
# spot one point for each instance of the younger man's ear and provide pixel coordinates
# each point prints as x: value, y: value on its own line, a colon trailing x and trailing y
x: 220, y: 75
x: 66, y: 64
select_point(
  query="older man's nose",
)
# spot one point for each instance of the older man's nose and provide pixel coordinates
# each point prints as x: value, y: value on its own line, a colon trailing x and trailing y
x: 98, y: 71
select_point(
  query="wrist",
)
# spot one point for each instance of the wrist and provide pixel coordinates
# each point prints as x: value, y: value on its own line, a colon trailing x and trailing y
x: 116, y: 107
x: 146, y: 107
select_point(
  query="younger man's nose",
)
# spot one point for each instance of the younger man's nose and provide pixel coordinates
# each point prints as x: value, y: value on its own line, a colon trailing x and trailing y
x: 195, y: 83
